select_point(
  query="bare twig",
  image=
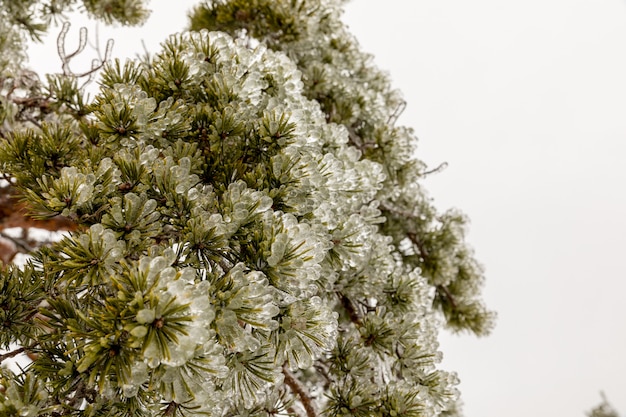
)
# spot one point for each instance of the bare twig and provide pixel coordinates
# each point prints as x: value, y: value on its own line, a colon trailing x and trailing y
x: 435, y: 170
x: 11, y: 354
x: 20, y: 243
x: 16, y: 352
x: 96, y: 64
x: 65, y: 57
x: 393, y: 118
x: 34, y: 121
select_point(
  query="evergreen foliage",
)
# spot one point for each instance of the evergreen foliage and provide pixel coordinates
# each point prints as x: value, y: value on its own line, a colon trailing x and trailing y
x: 604, y: 409
x: 251, y: 234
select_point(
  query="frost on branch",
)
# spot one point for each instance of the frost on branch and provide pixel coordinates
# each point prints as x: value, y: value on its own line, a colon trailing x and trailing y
x: 358, y: 97
x: 238, y: 250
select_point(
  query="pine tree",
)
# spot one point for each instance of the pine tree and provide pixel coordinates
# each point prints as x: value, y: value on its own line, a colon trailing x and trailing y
x: 251, y: 236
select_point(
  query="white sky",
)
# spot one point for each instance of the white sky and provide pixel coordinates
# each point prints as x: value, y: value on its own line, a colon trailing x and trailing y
x: 526, y: 101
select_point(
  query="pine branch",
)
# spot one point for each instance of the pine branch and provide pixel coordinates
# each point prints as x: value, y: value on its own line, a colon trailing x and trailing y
x: 297, y: 388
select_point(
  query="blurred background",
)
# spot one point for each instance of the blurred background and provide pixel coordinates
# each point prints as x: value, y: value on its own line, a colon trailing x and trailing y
x: 526, y: 102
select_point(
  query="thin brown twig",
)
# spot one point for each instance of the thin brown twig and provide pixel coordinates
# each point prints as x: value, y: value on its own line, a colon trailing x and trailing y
x: 447, y: 294
x: 16, y: 352
x: 297, y: 388
x: 354, y: 314
x: 19, y: 242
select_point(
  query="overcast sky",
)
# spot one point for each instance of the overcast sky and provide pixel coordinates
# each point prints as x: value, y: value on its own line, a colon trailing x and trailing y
x: 526, y: 101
